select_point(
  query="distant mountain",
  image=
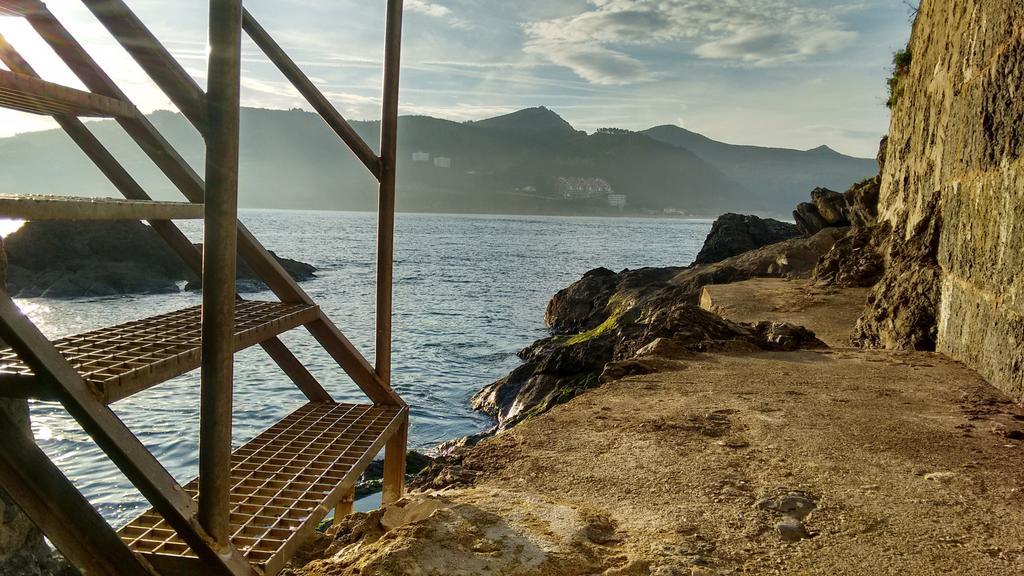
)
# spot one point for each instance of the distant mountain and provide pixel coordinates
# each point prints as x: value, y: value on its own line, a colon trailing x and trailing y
x: 507, y: 164
x: 538, y: 120
x: 774, y: 175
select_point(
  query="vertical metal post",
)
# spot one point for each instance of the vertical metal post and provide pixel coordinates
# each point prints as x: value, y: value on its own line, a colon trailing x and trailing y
x: 393, y: 483
x: 345, y: 505
x: 394, y: 454
x: 386, y: 204
x: 219, y: 266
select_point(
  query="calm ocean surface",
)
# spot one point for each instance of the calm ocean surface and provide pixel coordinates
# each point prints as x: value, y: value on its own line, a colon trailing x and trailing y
x: 470, y: 291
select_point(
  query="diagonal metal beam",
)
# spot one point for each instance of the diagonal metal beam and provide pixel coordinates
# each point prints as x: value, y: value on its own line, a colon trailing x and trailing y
x: 312, y: 94
x: 152, y: 57
x: 117, y: 441
x: 53, y: 504
x: 167, y: 230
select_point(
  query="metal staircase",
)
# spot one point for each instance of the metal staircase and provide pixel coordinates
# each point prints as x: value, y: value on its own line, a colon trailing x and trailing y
x: 251, y: 508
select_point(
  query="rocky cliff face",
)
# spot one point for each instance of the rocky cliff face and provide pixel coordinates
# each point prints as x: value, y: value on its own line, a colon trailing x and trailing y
x: 952, y: 191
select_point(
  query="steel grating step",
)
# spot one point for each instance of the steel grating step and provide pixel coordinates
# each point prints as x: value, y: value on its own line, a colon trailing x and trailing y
x: 30, y: 94
x: 284, y: 482
x: 46, y: 207
x: 126, y: 359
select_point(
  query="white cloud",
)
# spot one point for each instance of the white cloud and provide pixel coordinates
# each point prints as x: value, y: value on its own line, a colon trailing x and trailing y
x: 592, y: 62
x: 435, y: 10
x: 595, y: 43
x: 428, y: 8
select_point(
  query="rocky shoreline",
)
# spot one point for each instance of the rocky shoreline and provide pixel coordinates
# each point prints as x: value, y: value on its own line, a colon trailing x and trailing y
x: 603, y: 324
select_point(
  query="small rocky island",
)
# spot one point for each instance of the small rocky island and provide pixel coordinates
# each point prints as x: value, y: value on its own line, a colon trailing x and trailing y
x: 97, y: 259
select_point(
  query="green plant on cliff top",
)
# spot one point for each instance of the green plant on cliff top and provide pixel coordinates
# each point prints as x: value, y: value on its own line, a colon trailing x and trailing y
x: 900, y: 66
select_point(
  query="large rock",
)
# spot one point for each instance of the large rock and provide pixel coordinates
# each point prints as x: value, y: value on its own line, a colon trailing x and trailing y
x: 857, y: 207
x: 589, y: 302
x: 826, y: 209
x: 558, y: 369
x: 605, y: 322
x: 248, y: 281
x: 831, y: 205
x: 95, y: 259
x: 733, y: 234
x: 808, y: 220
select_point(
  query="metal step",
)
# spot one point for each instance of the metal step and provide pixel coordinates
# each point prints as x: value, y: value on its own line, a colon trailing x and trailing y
x: 284, y: 482
x: 30, y: 94
x: 44, y: 207
x: 123, y: 360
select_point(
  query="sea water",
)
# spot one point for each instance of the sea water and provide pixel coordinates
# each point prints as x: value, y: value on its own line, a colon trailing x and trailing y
x: 470, y: 291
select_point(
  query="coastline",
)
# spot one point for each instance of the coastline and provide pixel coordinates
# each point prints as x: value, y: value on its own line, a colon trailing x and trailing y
x: 731, y: 459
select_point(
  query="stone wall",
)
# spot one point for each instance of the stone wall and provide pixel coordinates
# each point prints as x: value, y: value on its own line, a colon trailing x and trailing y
x: 954, y: 162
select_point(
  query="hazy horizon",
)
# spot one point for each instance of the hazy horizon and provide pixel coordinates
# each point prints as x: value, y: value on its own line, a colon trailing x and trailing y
x: 781, y: 73
x: 171, y: 110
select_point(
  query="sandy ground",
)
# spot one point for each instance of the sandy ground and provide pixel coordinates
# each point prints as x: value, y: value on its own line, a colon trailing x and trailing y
x: 897, y: 463
x: 831, y: 313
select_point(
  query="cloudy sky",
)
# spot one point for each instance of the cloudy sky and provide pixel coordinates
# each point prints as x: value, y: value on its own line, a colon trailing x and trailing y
x: 793, y: 73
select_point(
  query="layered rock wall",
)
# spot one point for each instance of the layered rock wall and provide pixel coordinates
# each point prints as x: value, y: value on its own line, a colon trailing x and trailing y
x: 954, y: 164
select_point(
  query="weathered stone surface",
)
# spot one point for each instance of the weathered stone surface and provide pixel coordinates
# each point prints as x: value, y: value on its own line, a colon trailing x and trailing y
x: 955, y: 147
x: 96, y: 259
x: 855, y: 261
x: 903, y: 308
x: 23, y: 552
x: 786, y: 336
x: 733, y: 234
x: 862, y: 202
x: 559, y: 368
